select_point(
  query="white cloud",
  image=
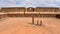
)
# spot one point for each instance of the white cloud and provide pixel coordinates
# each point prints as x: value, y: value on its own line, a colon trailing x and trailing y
x: 39, y: 3
x: 30, y: 3
x: 6, y: 3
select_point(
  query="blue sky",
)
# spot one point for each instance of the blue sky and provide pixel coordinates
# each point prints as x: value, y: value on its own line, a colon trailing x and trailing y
x: 29, y: 3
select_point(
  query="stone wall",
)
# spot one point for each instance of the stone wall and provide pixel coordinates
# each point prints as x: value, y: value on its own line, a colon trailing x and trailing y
x: 13, y: 9
x: 48, y: 9
x: 30, y: 9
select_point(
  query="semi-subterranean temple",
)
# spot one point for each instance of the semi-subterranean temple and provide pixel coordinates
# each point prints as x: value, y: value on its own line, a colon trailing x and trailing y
x: 28, y: 12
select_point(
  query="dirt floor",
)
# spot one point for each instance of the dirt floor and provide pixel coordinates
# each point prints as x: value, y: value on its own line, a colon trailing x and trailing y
x: 20, y: 25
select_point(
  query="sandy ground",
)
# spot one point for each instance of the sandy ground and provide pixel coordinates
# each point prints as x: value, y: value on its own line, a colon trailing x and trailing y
x: 20, y: 25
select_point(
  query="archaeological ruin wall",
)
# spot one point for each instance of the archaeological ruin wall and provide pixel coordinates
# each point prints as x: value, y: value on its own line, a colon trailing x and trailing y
x: 13, y: 9
x: 30, y: 9
x: 47, y: 9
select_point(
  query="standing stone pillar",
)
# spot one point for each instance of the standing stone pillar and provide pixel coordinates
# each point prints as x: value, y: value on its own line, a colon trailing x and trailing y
x: 37, y: 22
x: 40, y: 23
x: 32, y: 19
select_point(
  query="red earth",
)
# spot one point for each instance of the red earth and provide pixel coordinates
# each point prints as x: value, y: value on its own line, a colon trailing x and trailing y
x: 20, y: 25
